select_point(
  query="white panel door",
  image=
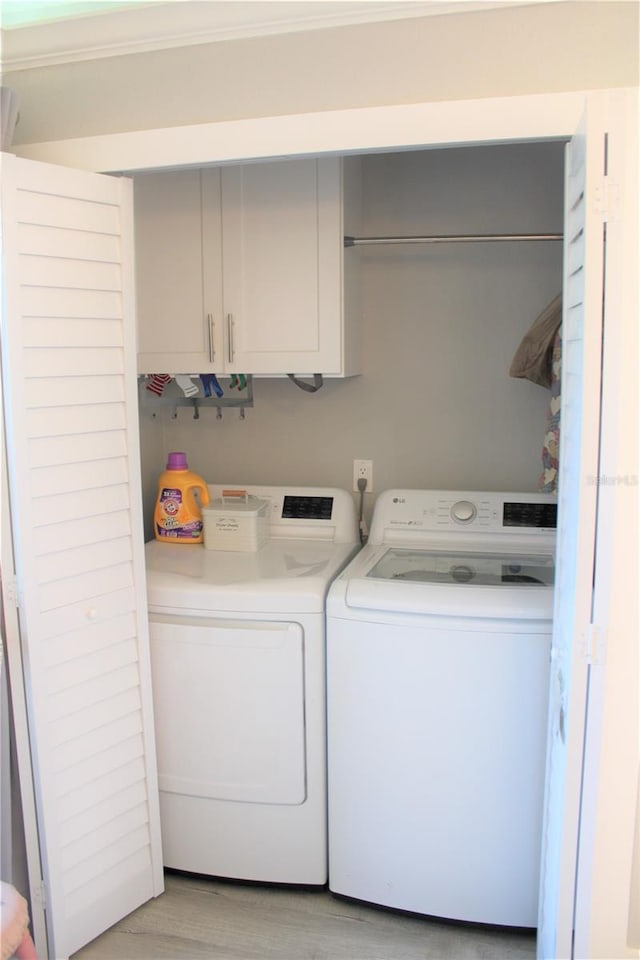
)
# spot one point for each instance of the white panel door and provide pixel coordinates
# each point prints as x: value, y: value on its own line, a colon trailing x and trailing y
x: 70, y: 404
x: 577, y: 509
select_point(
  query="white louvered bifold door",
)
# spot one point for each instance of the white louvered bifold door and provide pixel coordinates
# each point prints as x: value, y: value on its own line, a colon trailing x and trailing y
x: 69, y: 384
x: 577, y: 510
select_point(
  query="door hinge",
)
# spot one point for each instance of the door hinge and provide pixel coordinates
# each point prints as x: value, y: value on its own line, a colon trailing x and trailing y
x: 40, y: 893
x: 594, y: 645
x: 12, y: 591
x: 607, y: 201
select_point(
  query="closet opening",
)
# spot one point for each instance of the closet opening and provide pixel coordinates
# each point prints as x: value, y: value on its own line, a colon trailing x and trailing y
x: 434, y: 405
x: 552, y: 117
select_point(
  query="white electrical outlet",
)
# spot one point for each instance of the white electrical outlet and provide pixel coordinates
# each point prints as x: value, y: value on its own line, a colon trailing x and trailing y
x: 363, y: 470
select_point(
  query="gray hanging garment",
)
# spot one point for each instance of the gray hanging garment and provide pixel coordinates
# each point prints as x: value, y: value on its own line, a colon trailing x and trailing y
x: 533, y: 358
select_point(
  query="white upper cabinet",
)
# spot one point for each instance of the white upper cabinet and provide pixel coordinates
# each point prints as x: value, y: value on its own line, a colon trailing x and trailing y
x: 242, y: 270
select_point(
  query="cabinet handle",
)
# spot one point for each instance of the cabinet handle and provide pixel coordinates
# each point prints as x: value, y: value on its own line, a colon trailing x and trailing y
x: 212, y: 352
x: 230, y: 336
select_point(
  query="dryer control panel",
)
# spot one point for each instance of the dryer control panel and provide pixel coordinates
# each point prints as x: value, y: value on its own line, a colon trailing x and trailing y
x: 297, y: 507
x: 304, y: 513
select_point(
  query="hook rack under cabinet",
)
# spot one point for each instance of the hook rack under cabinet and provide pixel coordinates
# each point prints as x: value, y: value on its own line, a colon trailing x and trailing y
x: 173, y: 397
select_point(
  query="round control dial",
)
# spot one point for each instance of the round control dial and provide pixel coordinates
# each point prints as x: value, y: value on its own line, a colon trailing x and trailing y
x: 463, y: 511
x: 462, y: 573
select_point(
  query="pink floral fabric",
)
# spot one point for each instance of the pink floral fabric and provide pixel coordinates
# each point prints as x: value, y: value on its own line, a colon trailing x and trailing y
x: 548, y: 480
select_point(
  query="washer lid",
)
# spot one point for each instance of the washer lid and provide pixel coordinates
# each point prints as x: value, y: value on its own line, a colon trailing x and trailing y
x: 395, y: 582
x: 473, y: 569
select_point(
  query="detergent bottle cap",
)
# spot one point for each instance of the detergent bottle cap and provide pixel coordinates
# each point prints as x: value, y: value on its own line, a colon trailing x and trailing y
x: 177, y: 461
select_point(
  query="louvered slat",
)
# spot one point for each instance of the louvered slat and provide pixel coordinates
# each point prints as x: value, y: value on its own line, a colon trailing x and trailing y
x: 79, y: 476
x: 76, y: 390
x: 56, y: 622
x: 92, y: 717
x: 83, y: 303
x: 65, y: 646
x: 95, y: 814
x: 70, y: 332
x: 87, y: 586
x: 103, y: 789
x: 83, y: 669
x: 43, y: 240
x: 81, y: 503
x: 88, y: 544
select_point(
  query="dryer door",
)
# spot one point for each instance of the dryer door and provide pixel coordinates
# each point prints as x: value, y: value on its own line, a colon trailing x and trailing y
x: 229, y: 709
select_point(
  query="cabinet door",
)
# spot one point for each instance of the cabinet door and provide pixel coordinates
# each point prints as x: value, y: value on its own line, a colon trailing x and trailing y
x: 177, y: 332
x: 282, y: 273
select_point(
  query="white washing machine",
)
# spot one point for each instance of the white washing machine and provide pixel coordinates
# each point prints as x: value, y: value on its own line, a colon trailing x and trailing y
x: 438, y: 646
x: 238, y: 662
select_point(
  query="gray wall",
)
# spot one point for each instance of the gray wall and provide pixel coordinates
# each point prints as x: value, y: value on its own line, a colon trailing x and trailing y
x: 523, y: 49
x: 434, y: 406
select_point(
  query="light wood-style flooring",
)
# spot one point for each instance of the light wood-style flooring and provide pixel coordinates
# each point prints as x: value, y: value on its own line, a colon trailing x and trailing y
x: 203, y: 919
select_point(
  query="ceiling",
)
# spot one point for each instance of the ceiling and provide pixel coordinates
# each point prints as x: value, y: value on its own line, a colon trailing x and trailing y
x: 24, y: 13
x: 21, y: 13
x: 39, y: 33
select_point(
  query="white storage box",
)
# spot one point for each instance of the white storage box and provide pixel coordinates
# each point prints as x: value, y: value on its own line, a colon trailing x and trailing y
x: 235, y: 521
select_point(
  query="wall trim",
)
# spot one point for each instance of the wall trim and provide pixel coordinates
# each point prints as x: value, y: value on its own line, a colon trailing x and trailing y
x: 397, y: 127
x: 160, y: 26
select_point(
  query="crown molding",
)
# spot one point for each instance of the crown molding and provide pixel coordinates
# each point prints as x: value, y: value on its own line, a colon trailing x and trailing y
x: 176, y: 23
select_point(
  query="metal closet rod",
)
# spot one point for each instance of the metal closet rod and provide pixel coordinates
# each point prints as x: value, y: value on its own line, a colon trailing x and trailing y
x: 453, y: 238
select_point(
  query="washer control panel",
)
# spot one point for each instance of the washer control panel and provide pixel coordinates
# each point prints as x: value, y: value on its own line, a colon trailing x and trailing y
x: 464, y: 511
x: 429, y: 511
x: 530, y: 515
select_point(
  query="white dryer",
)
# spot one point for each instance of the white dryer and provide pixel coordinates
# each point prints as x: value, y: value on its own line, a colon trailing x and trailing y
x: 438, y: 646
x: 238, y: 663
